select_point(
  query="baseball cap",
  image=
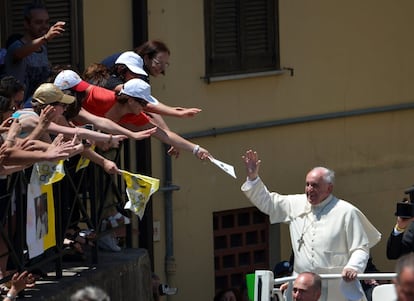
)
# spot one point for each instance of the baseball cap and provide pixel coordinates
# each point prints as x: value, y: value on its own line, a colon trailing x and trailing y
x: 133, y: 62
x: 49, y: 93
x: 69, y: 79
x: 282, y: 269
x: 138, y: 88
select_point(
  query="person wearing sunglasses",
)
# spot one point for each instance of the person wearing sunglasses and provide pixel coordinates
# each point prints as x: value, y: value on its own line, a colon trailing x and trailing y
x: 131, y: 65
x: 126, y: 108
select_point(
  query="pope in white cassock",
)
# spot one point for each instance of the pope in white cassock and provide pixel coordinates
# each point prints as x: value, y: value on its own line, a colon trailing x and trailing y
x: 328, y: 235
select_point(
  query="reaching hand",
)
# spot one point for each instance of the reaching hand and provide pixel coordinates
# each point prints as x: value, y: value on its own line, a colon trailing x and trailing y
x: 144, y: 134
x: 174, y: 152
x: 110, y: 167
x: 55, y: 30
x: 252, y: 163
x: 59, y: 149
x: 19, y: 282
x: 46, y: 116
x: 14, y: 130
x: 202, y: 153
x: 116, y: 140
x: 187, y: 112
x: 5, y: 125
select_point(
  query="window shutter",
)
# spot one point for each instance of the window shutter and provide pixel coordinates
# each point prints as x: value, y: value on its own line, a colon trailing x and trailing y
x: 225, y: 42
x: 258, y: 36
x: 60, y: 49
x: 241, y: 36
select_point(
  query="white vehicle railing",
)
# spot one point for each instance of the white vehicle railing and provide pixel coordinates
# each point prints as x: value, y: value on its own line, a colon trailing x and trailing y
x: 264, y: 287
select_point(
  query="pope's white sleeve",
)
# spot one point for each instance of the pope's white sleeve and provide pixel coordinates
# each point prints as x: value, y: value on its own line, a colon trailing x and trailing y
x: 249, y: 184
x: 358, y: 260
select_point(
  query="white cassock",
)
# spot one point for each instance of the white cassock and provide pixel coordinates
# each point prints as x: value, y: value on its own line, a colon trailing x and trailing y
x: 325, y: 238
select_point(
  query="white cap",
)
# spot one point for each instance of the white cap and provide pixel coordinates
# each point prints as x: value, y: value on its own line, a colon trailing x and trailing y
x: 140, y: 89
x: 133, y: 62
x: 69, y: 79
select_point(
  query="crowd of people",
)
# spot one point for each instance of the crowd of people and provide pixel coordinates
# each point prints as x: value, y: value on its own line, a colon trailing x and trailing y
x: 56, y: 112
x: 47, y: 112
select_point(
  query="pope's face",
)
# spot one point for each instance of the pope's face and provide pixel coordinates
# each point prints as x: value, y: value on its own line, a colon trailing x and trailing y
x: 316, y: 188
x: 405, y: 285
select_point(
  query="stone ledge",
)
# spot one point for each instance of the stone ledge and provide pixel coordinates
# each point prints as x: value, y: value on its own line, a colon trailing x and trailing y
x: 124, y: 276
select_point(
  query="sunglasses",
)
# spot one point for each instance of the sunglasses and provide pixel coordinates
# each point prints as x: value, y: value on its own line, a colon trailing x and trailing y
x: 159, y: 63
x: 54, y: 104
x: 141, y: 101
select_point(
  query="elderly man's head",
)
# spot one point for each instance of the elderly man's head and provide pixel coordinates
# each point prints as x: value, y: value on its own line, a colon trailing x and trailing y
x: 404, y: 283
x: 319, y: 184
x: 307, y: 287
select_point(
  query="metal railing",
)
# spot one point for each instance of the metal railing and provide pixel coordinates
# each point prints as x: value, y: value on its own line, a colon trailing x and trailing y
x: 264, y: 287
x: 85, y: 192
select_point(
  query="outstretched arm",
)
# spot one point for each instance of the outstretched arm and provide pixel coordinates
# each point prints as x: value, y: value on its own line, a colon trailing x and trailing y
x: 32, y: 46
x: 171, y: 138
x: 114, y: 140
x: 163, y: 109
x: 56, y: 151
x: 109, y: 166
x: 108, y: 126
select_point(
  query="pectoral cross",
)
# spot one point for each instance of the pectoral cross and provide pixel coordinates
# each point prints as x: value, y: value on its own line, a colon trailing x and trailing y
x: 301, y: 242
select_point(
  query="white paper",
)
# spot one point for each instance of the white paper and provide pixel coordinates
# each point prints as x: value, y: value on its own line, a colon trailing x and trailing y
x: 229, y: 169
x: 351, y: 290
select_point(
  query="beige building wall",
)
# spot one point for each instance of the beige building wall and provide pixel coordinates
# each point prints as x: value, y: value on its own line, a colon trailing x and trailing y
x: 107, y: 28
x: 346, y: 56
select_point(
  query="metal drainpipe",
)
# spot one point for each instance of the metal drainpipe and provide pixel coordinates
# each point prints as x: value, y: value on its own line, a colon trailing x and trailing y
x: 170, y: 267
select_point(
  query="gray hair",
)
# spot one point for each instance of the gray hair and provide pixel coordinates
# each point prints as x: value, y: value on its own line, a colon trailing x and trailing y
x: 90, y: 293
x: 328, y: 174
x: 404, y: 262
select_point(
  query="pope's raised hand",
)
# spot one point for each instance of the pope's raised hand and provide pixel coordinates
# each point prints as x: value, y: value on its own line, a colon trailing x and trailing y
x: 252, y: 163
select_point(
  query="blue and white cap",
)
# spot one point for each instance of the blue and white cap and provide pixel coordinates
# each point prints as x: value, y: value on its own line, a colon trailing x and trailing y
x: 140, y: 89
x: 133, y: 62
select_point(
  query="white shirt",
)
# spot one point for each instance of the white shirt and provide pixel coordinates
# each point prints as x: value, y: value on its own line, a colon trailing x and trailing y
x: 325, y: 238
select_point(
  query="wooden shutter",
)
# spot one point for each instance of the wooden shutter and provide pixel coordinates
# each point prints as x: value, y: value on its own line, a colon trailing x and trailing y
x: 241, y: 36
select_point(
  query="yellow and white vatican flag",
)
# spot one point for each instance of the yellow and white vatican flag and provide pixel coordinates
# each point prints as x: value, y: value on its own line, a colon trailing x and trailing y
x: 139, y: 189
x: 84, y: 162
x: 40, y: 226
x: 47, y: 172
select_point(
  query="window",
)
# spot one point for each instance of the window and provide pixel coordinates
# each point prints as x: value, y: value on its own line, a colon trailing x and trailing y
x: 241, y: 37
x: 62, y: 50
x: 240, y: 245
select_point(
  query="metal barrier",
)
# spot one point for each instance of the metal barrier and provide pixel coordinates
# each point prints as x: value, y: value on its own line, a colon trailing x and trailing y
x: 264, y: 287
x: 79, y: 198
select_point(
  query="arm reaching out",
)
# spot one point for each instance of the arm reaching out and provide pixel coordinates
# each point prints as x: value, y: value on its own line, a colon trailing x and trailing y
x: 108, y: 126
x: 163, y: 109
